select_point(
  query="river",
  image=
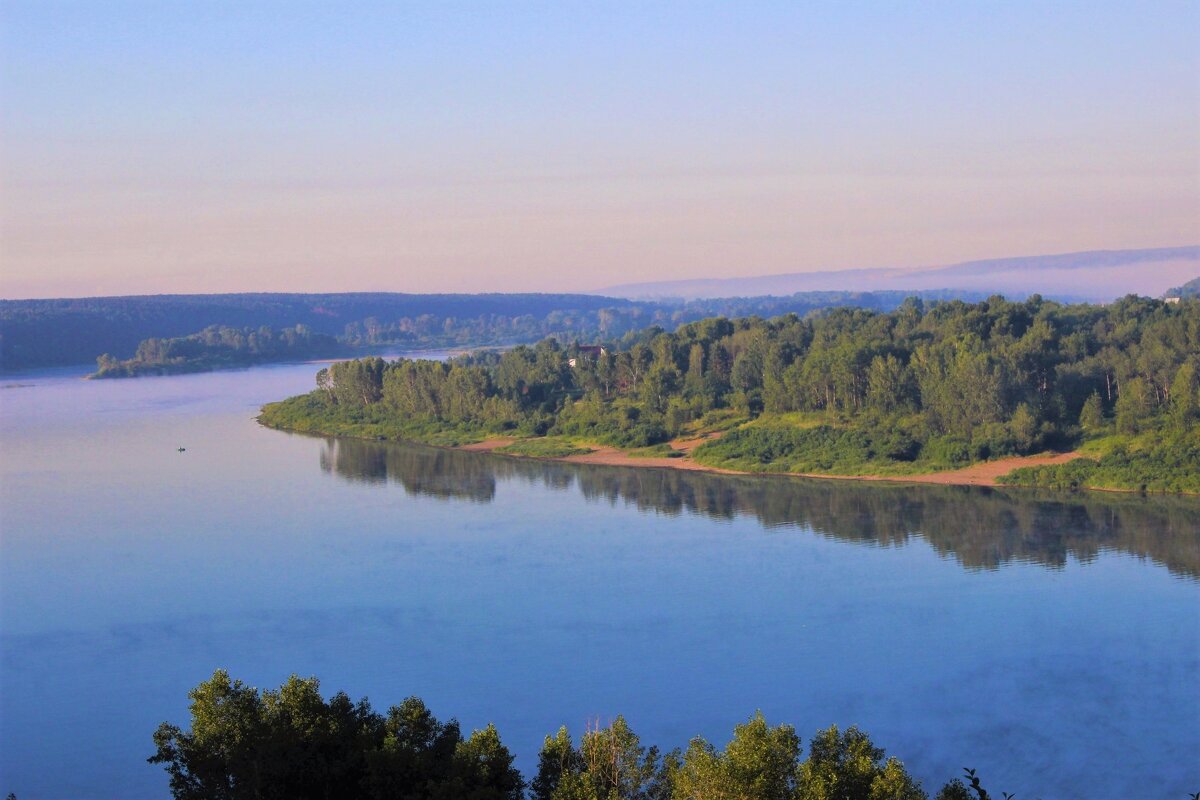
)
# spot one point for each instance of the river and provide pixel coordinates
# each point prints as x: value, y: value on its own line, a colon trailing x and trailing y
x: 1051, y: 641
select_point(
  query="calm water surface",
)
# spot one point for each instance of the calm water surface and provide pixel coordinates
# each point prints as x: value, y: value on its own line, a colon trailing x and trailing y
x: 1051, y: 641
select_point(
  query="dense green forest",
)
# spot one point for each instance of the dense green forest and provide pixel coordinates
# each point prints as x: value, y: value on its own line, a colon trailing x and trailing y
x: 38, y: 333
x: 291, y: 743
x: 844, y: 391
x: 219, y: 348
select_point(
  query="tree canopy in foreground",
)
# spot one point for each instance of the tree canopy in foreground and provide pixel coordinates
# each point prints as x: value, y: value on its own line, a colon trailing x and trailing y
x: 291, y: 743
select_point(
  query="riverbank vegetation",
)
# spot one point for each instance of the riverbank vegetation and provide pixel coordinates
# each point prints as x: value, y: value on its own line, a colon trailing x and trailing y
x: 846, y: 391
x: 220, y: 348
x: 290, y: 742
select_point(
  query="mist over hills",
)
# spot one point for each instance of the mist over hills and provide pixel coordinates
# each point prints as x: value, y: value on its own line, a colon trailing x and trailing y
x: 1094, y: 276
x: 36, y: 333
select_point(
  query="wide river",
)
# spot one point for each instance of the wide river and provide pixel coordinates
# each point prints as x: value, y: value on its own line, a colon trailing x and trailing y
x: 1050, y: 641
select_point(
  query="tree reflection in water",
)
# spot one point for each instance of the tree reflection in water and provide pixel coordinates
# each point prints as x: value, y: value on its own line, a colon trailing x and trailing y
x: 980, y: 527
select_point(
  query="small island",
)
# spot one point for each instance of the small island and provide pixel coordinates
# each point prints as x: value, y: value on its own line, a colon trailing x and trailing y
x: 1034, y: 393
x: 218, y: 347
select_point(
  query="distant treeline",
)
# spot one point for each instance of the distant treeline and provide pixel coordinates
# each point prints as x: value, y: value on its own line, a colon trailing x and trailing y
x: 220, y: 348
x: 1189, y: 289
x: 291, y: 743
x: 39, y: 333
x: 847, y: 391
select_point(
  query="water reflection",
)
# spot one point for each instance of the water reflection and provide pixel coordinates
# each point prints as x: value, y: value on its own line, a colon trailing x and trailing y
x: 435, y: 472
x: 981, y: 528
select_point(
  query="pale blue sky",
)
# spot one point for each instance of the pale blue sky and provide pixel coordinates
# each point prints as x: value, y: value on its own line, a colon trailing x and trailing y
x: 169, y: 146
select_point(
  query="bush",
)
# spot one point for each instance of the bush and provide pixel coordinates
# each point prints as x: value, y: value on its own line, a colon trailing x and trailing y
x: 949, y: 450
x: 1170, y: 466
x: 543, y: 448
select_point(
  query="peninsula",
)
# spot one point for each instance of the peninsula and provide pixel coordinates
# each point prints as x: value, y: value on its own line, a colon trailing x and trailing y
x: 1031, y: 393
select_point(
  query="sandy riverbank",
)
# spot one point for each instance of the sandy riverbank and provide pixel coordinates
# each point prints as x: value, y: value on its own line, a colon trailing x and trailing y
x: 982, y: 474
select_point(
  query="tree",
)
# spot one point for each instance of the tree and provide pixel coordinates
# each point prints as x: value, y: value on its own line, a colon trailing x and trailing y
x: 694, y: 379
x: 1024, y: 427
x: 847, y: 766
x: 658, y: 385
x: 606, y: 372
x: 759, y: 762
x: 292, y: 744
x: 617, y: 762
x: 484, y: 770
x: 1184, y: 402
x: 1091, y: 416
x: 888, y: 384
x: 610, y: 764
x: 954, y: 790
x: 325, y: 384
x: 358, y: 382
x: 557, y: 758
x: 216, y: 757
x: 1132, y: 406
x: 107, y: 363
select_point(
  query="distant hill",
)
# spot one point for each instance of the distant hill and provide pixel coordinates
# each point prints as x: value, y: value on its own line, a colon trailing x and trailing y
x: 1189, y: 289
x: 41, y: 333
x: 1097, y: 276
x: 35, y: 333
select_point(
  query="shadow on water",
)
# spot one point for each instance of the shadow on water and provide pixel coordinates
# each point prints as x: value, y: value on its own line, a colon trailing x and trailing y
x: 980, y: 527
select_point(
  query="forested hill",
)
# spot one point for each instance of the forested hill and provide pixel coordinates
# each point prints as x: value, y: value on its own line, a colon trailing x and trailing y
x: 37, y: 333
x: 1189, y: 289
x: 848, y: 392
x: 78, y: 330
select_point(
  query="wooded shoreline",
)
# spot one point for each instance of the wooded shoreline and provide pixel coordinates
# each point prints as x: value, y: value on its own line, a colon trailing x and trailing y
x: 984, y: 473
x: 996, y: 393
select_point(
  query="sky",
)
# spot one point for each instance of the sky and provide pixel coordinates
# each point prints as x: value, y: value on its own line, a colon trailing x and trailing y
x: 290, y: 146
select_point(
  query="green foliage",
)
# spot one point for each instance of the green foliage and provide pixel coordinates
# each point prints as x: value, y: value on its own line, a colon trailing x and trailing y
x: 848, y: 766
x: 219, y: 348
x: 954, y: 790
x: 976, y: 787
x: 1185, y: 397
x: 759, y: 762
x: 291, y: 743
x: 1133, y: 406
x: 37, y: 333
x: 543, y: 448
x: 313, y: 413
x: 609, y: 764
x: 662, y: 450
x: 846, y: 391
x: 771, y: 447
x: 1091, y: 416
x: 1172, y: 465
x: 1024, y: 428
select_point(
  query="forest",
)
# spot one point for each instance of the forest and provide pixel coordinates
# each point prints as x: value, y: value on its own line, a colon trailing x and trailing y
x: 842, y: 391
x: 42, y: 333
x: 293, y: 744
x: 219, y: 347
x: 1189, y: 289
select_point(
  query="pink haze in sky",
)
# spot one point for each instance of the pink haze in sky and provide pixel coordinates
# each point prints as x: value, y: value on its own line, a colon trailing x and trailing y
x: 261, y: 147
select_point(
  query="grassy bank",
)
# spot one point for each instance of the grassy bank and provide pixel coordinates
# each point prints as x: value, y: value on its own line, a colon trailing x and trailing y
x: 1153, y: 462
x: 309, y: 414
